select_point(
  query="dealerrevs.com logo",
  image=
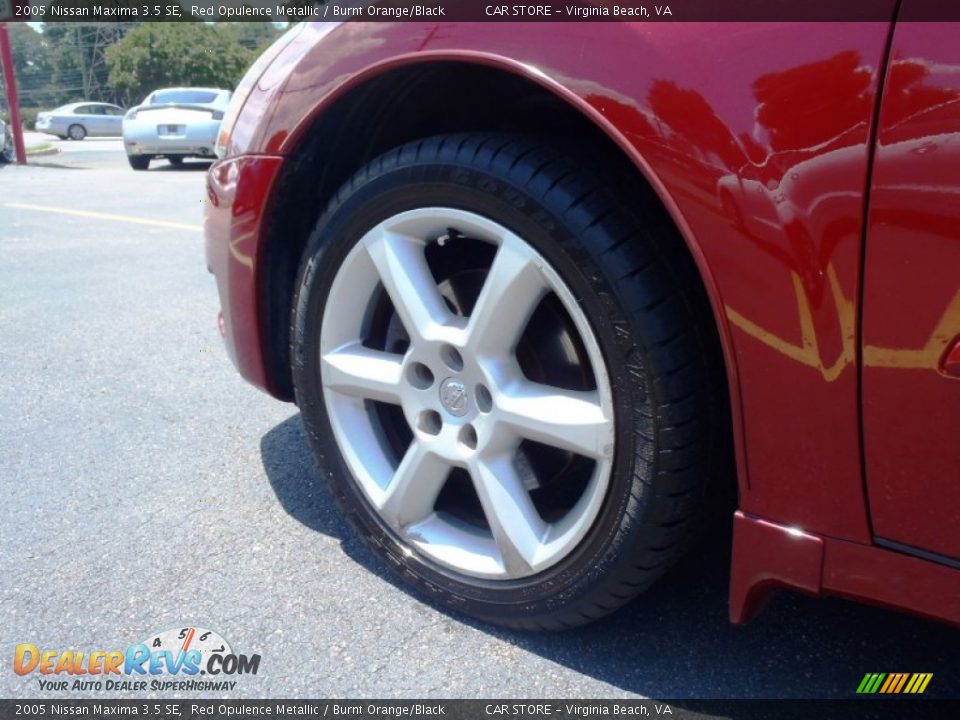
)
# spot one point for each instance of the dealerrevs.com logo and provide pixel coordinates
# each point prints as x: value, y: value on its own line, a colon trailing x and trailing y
x: 187, y: 659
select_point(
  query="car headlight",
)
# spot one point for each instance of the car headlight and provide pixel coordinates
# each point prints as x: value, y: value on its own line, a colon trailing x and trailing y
x: 246, y: 85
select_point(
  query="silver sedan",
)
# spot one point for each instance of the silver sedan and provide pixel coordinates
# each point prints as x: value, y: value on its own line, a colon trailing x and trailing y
x: 174, y: 123
x: 78, y: 120
x: 6, y: 144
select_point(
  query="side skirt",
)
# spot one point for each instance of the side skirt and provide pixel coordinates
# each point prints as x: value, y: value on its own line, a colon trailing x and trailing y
x: 768, y: 557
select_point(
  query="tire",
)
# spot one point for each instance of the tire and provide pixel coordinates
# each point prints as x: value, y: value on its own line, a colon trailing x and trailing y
x: 175, y: 160
x: 76, y: 132
x: 575, y: 498
x: 139, y: 162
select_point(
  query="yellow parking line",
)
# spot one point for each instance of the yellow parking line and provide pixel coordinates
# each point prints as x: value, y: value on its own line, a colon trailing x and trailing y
x: 106, y: 216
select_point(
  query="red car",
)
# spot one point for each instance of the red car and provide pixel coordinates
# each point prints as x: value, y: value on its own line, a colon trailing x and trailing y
x: 545, y: 293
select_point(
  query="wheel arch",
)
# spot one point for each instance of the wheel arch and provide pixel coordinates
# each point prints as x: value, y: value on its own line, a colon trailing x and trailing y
x: 407, y: 98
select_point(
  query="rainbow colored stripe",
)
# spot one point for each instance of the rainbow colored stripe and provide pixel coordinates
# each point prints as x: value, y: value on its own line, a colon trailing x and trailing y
x: 894, y: 683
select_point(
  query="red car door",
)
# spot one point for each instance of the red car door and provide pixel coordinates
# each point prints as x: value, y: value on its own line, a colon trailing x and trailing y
x: 911, y: 300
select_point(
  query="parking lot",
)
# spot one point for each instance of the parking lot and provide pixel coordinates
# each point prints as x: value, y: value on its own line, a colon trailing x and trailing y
x: 147, y: 487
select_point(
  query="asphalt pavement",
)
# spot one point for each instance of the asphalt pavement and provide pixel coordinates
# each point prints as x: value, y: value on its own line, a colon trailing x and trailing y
x: 147, y: 487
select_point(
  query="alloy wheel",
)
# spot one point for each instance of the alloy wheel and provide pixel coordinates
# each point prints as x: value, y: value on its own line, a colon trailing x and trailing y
x: 467, y: 393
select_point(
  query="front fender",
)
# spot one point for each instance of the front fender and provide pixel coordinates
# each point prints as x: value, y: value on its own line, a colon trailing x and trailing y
x: 691, y: 104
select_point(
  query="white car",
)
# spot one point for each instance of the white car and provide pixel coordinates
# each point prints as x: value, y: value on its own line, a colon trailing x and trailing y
x: 6, y: 144
x: 174, y: 123
x: 78, y: 120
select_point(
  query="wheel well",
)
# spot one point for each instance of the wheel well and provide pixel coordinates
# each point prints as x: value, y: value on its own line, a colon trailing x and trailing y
x: 418, y: 101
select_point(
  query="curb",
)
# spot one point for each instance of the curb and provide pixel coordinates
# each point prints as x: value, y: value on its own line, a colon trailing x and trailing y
x: 40, y: 151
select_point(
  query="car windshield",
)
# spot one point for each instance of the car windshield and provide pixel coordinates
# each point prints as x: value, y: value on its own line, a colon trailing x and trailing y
x: 184, y: 96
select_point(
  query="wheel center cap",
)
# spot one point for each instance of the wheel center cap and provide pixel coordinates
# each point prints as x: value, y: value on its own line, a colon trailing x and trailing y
x: 454, y: 396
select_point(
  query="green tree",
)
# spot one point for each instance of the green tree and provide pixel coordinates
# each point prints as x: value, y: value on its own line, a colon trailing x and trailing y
x: 79, y: 69
x: 32, y: 63
x: 156, y: 55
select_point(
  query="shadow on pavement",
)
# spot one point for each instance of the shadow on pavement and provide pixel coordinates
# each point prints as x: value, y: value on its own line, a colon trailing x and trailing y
x: 49, y: 161
x: 186, y: 166
x: 676, y: 641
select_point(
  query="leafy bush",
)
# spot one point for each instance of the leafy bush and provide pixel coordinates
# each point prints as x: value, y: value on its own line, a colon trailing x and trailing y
x: 28, y: 116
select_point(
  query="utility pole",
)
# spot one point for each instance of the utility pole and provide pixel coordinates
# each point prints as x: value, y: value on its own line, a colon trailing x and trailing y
x: 13, y: 102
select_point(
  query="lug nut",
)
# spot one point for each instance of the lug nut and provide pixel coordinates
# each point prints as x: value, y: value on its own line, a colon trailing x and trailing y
x: 484, y: 401
x: 430, y: 422
x: 468, y: 437
x: 419, y: 375
x: 451, y: 356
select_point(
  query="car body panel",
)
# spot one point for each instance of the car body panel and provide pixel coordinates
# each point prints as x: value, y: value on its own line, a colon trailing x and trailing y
x: 769, y: 555
x: 177, y: 128
x: 912, y: 296
x: 98, y: 119
x: 759, y: 145
x: 235, y: 211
